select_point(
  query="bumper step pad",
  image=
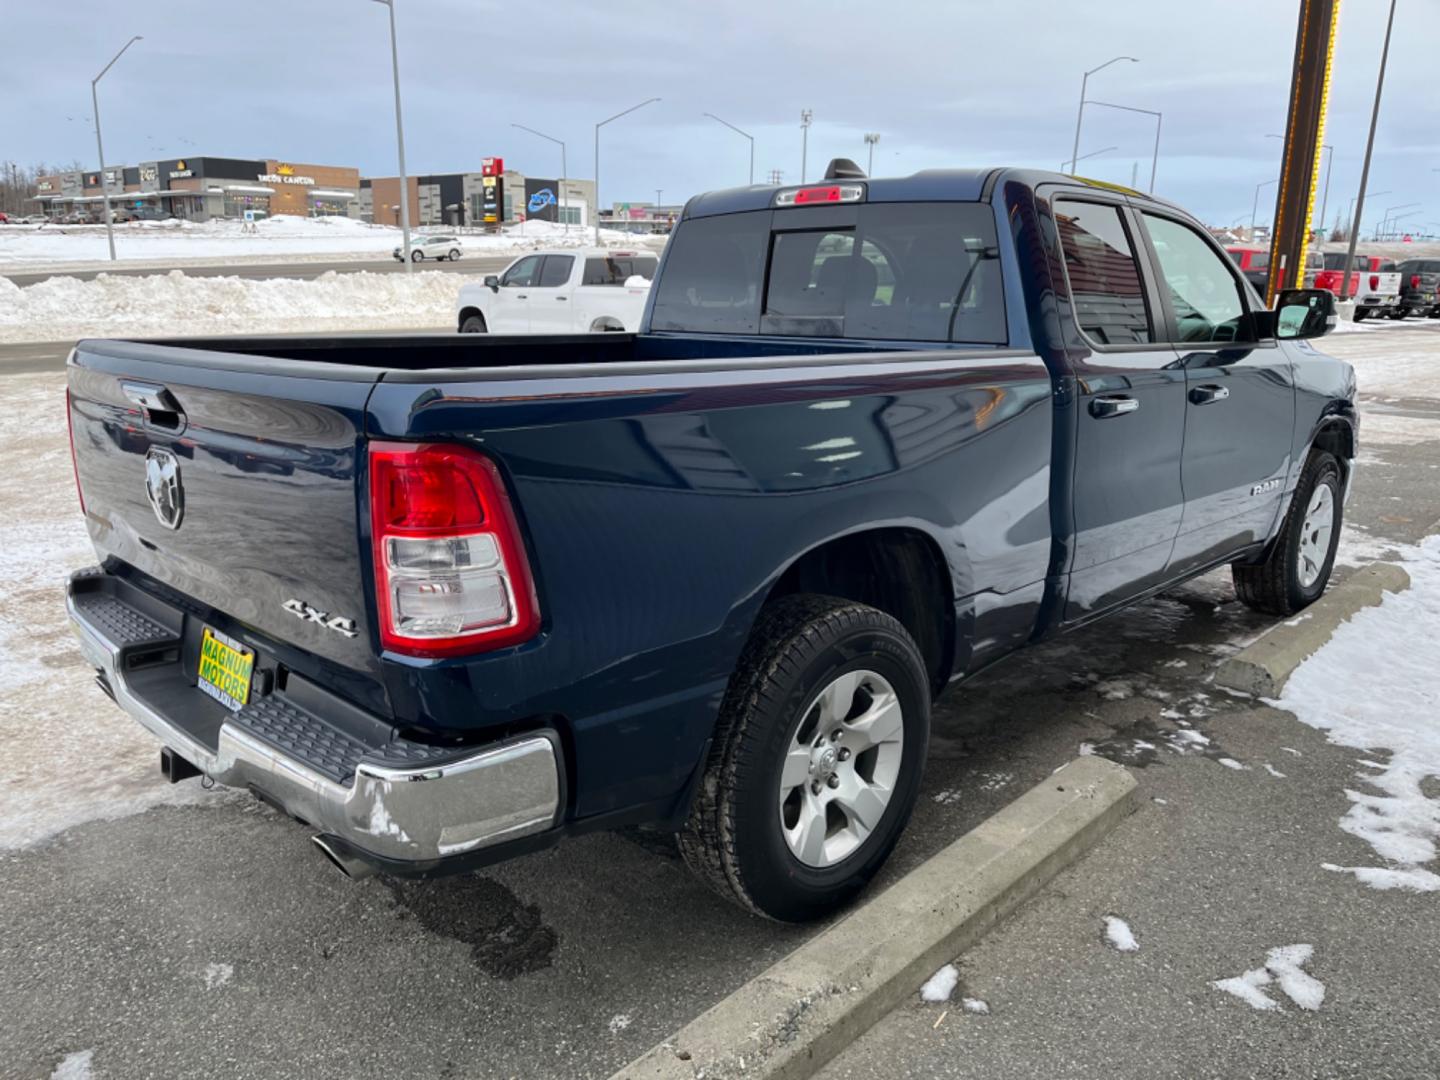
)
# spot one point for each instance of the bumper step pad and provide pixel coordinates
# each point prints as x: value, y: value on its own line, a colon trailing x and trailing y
x: 322, y: 746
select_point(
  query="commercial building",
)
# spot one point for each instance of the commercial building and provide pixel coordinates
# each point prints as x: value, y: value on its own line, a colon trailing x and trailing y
x: 641, y: 217
x: 492, y: 196
x: 202, y: 188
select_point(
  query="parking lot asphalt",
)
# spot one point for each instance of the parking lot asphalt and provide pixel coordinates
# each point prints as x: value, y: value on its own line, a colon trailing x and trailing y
x: 209, y: 937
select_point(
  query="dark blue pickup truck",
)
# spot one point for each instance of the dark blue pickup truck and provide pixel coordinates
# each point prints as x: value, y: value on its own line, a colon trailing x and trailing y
x: 447, y: 599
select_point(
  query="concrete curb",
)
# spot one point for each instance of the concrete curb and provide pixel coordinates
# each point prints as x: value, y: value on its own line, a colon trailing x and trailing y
x: 1262, y: 668
x: 790, y: 1020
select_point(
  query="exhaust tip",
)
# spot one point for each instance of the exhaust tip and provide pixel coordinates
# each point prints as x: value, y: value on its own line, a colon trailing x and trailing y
x: 335, y: 850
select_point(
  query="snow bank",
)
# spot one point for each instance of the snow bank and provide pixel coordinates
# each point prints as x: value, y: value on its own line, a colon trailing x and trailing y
x: 54, y: 722
x: 61, y: 308
x: 284, y: 236
x: 1375, y: 685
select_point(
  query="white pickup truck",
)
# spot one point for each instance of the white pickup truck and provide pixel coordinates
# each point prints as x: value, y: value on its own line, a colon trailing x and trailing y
x: 574, y: 290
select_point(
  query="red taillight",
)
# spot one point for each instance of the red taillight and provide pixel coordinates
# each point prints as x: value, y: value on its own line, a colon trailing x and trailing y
x: 1414, y: 281
x: 829, y: 193
x: 1374, y: 282
x: 451, y: 576
x: 74, y: 462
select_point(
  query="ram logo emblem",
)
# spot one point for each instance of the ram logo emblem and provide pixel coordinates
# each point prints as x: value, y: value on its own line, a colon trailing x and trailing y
x: 1268, y: 485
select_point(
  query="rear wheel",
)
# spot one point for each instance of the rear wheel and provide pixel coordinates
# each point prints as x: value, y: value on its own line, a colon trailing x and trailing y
x: 1360, y: 314
x: 1298, y: 567
x: 1397, y: 313
x: 817, y: 759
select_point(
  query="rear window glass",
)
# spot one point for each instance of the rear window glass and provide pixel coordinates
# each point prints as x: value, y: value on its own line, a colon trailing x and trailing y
x: 1105, y: 284
x: 617, y: 269
x: 901, y: 272
x: 556, y: 271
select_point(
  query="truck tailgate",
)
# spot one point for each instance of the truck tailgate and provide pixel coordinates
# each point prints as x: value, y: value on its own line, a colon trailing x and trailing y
x: 233, y: 480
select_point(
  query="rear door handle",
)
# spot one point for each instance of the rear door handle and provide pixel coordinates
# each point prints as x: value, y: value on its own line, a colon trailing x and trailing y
x: 1208, y: 394
x: 1114, y: 405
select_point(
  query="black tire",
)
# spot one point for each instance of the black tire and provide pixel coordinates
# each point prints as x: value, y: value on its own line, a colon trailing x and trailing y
x: 1397, y: 313
x: 417, y: 256
x: 733, y: 839
x: 473, y: 324
x: 1275, y: 585
x: 1360, y: 314
x: 454, y: 255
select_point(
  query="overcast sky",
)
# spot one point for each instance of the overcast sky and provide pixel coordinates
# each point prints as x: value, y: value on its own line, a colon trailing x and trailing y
x: 944, y: 82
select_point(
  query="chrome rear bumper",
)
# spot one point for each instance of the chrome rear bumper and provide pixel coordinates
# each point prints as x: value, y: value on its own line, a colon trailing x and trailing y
x: 449, y: 804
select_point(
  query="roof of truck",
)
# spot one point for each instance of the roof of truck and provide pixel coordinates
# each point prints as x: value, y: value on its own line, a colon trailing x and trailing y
x: 929, y: 185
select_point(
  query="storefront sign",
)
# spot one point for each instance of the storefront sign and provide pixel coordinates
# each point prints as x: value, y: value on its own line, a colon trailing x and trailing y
x: 149, y: 174
x: 492, y: 199
x: 285, y: 174
x: 540, y: 201
x: 492, y: 166
x: 181, y: 170
x: 45, y: 185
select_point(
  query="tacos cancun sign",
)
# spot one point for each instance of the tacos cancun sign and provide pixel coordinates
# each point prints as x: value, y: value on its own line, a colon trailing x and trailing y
x: 285, y: 174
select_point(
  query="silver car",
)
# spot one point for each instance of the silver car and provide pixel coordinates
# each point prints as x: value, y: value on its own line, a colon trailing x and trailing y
x: 431, y: 247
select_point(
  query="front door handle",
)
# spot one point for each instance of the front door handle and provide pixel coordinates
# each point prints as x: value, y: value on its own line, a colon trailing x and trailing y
x: 1208, y: 394
x: 562, y: 298
x: 1114, y: 405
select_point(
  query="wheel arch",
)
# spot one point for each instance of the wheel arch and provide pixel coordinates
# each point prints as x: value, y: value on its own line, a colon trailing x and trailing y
x: 468, y: 311
x: 608, y: 324
x: 899, y: 569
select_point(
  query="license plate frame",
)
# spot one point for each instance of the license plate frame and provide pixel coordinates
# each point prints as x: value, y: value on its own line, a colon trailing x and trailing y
x: 225, y: 669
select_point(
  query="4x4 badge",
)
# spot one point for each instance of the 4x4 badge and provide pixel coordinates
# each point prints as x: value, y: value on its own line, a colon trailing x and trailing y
x: 339, y: 623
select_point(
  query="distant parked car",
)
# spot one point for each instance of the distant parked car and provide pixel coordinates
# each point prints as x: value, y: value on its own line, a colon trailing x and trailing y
x: 1254, y: 263
x: 4, y: 218
x: 431, y: 247
x: 1420, y: 287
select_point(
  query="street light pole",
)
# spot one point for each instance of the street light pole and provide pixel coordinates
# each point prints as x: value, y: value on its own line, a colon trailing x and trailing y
x: 1369, y: 149
x: 100, y: 145
x: 602, y: 123
x: 871, y: 138
x: 1079, y: 116
x: 1155, y: 156
x: 563, y: 171
x: 400, y: 141
x: 737, y: 131
x: 1255, y: 206
x: 805, y: 117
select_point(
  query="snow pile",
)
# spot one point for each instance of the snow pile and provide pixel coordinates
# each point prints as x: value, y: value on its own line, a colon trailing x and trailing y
x: 283, y: 236
x: 217, y: 975
x: 941, y: 985
x: 976, y: 1006
x: 54, y: 722
x: 62, y: 308
x: 1119, y: 934
x: 1283, y: 966
x: 1336, y: 691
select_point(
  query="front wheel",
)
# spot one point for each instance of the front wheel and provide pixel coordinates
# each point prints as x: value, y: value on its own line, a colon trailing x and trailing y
x: 416, y: 256
x: 817, y: 759
x: 472, y: 324
x: 454, y: 255
x: 1298, y: 567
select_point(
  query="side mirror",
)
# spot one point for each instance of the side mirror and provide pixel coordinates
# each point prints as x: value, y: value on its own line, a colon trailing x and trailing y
x: 492, y: 282
x: 1305, y: 313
